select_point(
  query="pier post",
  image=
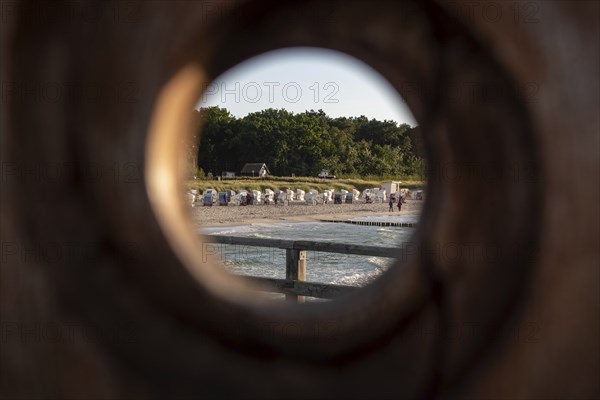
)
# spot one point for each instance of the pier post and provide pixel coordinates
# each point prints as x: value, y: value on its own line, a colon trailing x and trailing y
x: 295, y: 270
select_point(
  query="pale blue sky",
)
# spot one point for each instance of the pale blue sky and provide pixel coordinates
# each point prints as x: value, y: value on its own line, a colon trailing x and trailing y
x: 301, y: 79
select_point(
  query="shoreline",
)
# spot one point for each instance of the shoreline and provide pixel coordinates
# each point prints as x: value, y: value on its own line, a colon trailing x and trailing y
x: 217, y: 216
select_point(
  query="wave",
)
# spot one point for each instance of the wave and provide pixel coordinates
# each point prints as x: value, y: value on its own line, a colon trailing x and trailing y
x: 359, y: 280
x: 258, y: 235
x: 380, y: 262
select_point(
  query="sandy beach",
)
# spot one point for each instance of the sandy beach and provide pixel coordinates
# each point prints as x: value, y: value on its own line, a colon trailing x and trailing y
x: 295, y: 212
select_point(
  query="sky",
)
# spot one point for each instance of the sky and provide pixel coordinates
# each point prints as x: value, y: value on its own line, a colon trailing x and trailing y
x: 301, y: 79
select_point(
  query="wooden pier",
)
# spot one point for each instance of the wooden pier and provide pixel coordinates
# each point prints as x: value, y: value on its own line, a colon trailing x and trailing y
x: 371, y: 223
x: 294, y: 286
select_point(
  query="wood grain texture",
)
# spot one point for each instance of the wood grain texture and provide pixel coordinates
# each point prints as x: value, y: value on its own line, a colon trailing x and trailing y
x: 498, y: 298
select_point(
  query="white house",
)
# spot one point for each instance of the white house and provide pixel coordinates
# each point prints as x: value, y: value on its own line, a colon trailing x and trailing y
x: 255, y: 169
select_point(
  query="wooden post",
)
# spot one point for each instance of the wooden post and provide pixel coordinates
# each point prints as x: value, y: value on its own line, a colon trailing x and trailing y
x: 295, y: 270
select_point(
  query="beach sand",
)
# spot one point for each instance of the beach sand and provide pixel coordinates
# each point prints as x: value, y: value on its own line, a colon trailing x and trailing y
x: 295, y: 212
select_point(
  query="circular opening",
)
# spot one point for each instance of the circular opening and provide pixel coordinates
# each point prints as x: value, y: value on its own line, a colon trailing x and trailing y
x: 454, y: 141
x: 308, y: 159
x: 182, y: 324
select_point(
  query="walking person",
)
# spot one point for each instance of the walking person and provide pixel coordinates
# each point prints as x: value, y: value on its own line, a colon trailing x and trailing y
x: 391, y: 203
x: 400, y: 202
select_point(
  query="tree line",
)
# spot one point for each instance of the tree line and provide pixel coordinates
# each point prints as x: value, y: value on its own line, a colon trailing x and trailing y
x: 306, y: 143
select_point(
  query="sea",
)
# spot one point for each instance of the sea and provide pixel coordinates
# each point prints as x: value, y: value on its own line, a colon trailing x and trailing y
x: 322, y: 267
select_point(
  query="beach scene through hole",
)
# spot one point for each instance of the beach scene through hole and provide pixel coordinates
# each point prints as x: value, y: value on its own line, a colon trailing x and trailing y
x: 307, y: 173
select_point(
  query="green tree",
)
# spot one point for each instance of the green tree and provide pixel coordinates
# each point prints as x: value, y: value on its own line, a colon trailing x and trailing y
x: 308, y: 142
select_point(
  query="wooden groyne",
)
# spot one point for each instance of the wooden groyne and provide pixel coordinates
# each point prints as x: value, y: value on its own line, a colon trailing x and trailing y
x: 294, y: 286
x: 372, y: 223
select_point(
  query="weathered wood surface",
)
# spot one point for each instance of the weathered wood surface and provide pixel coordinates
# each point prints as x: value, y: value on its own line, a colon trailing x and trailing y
x: 506, y: 95
x: 295, y: 270
x: 325, y: 247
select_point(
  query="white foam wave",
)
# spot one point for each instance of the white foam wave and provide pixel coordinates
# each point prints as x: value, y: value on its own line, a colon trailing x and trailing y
x: 380, y: 262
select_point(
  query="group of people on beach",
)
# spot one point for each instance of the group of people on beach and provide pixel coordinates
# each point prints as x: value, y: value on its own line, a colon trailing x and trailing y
x: 392, y: 201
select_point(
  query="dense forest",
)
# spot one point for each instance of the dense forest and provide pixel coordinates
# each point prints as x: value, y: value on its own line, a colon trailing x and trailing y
x: 306, y: 143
